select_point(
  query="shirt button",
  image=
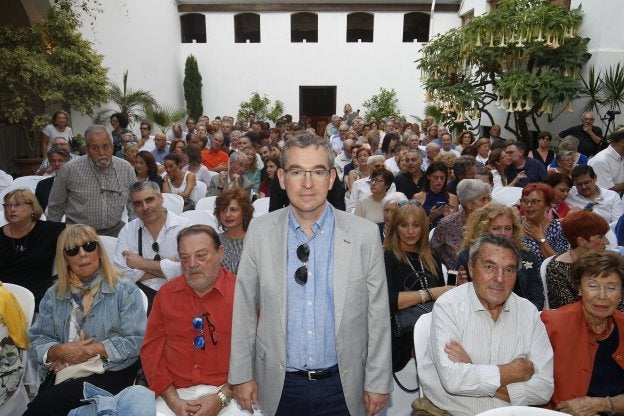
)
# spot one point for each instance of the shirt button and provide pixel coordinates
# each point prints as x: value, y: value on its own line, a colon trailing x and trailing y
x: 309, y: 303
x: 310, y: 359
x: 309, y: 332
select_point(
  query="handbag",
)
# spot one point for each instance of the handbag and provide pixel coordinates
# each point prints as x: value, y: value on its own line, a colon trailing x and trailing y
x: 403, y: 321
x: 93, y: 365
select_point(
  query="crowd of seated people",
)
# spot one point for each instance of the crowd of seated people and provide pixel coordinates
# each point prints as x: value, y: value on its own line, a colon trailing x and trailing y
x: 442, y: 208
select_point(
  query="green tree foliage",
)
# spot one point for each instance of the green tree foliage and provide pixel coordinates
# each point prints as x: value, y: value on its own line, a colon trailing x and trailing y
x: 382, y: 105
x: 164, y: 117
x: 261, y: 107
x: 48, y: 65
x: 193, y: 88
x: 524, y: 56
x: 131, y: 103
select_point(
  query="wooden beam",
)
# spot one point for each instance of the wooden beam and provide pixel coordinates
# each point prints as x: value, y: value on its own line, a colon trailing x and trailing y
x: 315, y: 7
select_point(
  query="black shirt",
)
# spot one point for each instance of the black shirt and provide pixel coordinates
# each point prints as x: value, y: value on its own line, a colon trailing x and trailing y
x: 586, y: 144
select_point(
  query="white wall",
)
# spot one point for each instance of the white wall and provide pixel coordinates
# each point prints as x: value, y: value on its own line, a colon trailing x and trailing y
x: 276, y: 67
x: 143, y: 37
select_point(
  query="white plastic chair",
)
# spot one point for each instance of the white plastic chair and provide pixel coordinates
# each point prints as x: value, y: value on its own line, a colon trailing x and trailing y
x: 174, y: 203
x: 109, y: 246
x: 421, y: 337
x: 199, y: 191
x: 543, y: 275
x: 29, y: 181
x: 201, y: 216
x: 519, y: 411
x: 261, y: 206
x: 206, y: 203
x: 507, y: 195
x: 145, y: 301
x: 18, y: 403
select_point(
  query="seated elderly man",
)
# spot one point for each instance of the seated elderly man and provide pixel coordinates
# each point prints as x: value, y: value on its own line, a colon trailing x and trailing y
x: 232, y: 177
x: 186, y: 350
x: 487, y: 347
x: 146, y: 252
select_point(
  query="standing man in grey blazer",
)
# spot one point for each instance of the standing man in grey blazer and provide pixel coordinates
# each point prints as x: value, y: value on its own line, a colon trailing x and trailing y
x: 310, y: 331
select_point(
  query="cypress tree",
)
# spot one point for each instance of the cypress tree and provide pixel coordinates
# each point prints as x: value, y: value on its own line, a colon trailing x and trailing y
x: 193, y: 88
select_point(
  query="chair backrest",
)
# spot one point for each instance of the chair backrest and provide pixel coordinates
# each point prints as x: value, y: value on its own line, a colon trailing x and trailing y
x: 206, y: 203
x: 201, y: 216
x: 519, y: 411
x: 145, y: 300
x: 109, y: 246
x: 25, y: 298
x: 543, y: 276
x: 199, y: 191
x: 174, y: 203
x: 261, y: 206
x: 507, y: 195
x: 421, y: 337
x: 29, y: 181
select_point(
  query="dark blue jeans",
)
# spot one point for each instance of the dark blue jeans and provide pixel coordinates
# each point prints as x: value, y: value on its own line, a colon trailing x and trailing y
x: 303, y: 397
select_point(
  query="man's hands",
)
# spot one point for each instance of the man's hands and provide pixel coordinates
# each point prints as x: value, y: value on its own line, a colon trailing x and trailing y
x: 517, y: 371
x: 375, y: 402
x: 456, y: 353
x: 246, y: 394
x: 133, y: 260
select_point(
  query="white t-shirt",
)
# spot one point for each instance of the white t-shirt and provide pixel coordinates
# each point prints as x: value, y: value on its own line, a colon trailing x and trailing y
x: 52, y: 132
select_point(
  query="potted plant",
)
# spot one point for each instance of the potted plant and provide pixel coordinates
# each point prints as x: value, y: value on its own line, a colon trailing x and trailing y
x: 28, y: 164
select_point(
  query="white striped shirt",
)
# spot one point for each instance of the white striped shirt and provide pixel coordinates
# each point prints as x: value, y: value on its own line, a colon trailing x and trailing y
x: 468, y: 389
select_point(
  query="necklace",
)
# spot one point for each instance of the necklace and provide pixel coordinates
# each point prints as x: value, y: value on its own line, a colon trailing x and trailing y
x: 599, y: 336
x: 20, y: 244
x: 422, y: 277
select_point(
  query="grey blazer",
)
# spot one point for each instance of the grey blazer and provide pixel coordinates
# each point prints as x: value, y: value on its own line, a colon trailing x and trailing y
x: 360, y: 306
x: 213, y: 189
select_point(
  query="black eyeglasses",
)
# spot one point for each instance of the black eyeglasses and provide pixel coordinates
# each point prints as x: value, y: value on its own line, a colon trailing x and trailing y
x: 199, y: 341
x: 301, y: 274
x: 156, y: 248
x: 87, y: 247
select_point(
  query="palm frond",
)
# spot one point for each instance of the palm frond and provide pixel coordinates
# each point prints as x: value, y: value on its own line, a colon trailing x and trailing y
x: 163, y: 116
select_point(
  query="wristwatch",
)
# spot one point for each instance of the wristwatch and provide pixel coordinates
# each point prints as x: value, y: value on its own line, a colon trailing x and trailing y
x: 542, y: 240
x: 225, y: 401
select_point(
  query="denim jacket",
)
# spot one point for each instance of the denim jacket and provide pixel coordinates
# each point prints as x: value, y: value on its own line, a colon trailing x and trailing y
x: 133, y: 400
x: 117, y: 319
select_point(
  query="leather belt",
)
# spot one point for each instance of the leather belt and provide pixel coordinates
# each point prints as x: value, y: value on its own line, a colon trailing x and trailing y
x: 317, y: 374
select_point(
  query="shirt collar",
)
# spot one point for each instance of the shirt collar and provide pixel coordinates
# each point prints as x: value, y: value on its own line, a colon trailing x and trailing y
x: 476, y: 304
x: 326, y: 218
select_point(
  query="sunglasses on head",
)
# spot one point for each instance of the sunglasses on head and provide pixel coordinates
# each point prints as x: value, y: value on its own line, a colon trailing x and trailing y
x: 87, y: 247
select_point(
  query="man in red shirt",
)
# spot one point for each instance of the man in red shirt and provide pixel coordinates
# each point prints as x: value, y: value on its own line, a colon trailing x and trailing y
x: 186, y: 349
x: 215, y: 158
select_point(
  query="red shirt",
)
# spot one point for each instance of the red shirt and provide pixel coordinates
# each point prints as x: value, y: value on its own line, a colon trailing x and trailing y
x: 212, y: 160
x: 168, y: 355
x: 574, y: 350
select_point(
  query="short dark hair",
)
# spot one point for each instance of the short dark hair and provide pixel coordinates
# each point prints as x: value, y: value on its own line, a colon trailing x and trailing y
x: 194, y: 155
x: 59, y: 151
x: 519, y: 145
x: 198, y: 229
x: 617, y: 136
x: 461, y: 165
x: 555, y: 178
x: 385, y: 174
x: 173, y: 157
x: 436, y: 166
x: 580, y: 170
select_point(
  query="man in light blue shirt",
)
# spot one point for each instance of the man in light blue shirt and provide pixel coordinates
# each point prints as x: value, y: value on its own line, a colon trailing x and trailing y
x: 310, y: 331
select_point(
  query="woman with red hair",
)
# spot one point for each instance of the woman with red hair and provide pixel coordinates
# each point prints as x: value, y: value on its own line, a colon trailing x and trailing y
x: 585, y: 231
x: 542, y: 235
